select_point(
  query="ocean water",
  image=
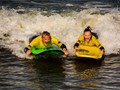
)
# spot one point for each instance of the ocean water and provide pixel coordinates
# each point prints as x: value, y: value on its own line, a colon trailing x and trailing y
x: 66, y: 20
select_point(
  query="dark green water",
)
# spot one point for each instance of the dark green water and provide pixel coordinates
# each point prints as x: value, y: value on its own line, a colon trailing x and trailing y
x: 61, y: 5
x: 22, y: 74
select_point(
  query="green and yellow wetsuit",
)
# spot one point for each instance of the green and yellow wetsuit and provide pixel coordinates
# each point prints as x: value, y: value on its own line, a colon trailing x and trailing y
x: 93, y: 42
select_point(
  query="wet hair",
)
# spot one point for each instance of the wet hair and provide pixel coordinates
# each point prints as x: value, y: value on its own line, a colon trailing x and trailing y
x: 45, y: 33
x: 88, y: 29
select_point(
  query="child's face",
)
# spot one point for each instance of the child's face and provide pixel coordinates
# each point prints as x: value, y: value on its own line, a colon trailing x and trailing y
x: 46, y: 39
x: 87, y: 36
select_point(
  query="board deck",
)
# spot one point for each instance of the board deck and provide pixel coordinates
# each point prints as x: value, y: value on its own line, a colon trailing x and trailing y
x: 47, y: 52
x: 89, y: 52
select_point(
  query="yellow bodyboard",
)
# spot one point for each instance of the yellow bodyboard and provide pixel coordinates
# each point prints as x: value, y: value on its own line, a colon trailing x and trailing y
x: 89, y: 52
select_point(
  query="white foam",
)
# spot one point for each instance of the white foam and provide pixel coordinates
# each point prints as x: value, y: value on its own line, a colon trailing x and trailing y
x: 17, y: 28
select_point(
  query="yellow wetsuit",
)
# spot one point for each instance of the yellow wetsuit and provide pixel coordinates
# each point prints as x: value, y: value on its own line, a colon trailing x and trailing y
x: 37, y: 43
x: 93, y: 42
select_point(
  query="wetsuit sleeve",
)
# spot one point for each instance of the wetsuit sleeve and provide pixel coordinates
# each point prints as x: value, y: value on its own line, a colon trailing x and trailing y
x: 78, y: 41
x: 57, y: 42
x: 26, y: 49
x: 98, y: 44
x: 76, y: 44
x: 32, y: 44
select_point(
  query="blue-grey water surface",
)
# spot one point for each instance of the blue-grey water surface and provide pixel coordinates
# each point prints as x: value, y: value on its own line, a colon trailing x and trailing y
x: 22, y: 74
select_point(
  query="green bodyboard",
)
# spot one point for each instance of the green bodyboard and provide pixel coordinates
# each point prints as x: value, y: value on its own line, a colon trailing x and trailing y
x: 46, y: 52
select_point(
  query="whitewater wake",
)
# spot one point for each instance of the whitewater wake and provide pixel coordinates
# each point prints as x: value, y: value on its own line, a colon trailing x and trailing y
x: 16, y: 29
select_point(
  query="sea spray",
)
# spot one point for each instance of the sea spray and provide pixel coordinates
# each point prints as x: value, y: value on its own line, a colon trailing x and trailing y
x: 16, y: 29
